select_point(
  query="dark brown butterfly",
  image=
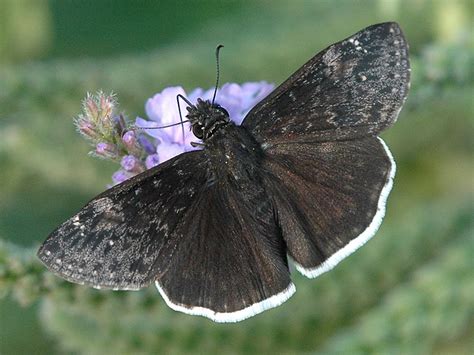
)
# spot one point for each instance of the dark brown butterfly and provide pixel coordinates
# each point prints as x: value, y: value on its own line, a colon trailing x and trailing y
x: 304, y: 176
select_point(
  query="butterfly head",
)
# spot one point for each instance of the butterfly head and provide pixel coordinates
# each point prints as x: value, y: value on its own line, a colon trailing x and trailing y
x: 207, y: 118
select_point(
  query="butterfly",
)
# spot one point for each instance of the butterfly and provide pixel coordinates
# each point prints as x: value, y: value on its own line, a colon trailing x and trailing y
x: 304, y: 177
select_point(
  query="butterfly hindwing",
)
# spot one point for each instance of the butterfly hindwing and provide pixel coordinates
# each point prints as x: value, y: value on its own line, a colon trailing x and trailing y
x: 123, y: 238
x: 232, y: 262
x: 330, y: 197
x: 352, y: 89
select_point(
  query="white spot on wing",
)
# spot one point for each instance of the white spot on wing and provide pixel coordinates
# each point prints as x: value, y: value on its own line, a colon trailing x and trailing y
x: 102, y: 204
x: 75, y: 221
x: 179, y: 209
x: 292, y: 96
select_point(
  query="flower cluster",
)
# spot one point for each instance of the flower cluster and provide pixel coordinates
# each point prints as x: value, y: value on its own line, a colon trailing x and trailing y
x: 144, y: 146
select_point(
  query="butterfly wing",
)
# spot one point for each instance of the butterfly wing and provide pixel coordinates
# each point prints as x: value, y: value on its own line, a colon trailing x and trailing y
x: 328, y: 174
x: 232, y: 262
x: 123, y: 238
x: 330, y: 197
x: 202, y: 241
x: 352, y: 89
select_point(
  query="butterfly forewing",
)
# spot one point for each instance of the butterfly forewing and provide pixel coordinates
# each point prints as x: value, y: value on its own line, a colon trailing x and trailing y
x: 352, y: 89
x: 124, y: 238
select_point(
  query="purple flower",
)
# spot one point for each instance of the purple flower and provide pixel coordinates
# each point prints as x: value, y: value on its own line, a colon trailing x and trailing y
x: 162, y: 110
x: 146, y: 144
x: 132, y: 164
x: 152, y: 161
x: 120, y: 176
x: 239, y: 99
x: 130, y: 140
x: 138, y: 150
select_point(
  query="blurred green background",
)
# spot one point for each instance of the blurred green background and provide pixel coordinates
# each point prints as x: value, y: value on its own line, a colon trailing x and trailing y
x: 409, y: 291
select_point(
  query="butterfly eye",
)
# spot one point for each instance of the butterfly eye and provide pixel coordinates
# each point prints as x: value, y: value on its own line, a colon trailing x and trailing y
x: 197, y: 131
x: 223, y: 110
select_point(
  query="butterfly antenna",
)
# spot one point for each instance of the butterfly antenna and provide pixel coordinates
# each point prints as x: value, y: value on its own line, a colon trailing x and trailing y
x: 160, y: 127
x: 179, y: 96
x: 217, y: 72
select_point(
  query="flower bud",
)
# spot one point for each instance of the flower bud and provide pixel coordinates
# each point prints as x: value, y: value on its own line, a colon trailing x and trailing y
x: 120, y: 176
x: 90, y: 107
x: 87, y: 129
x: 132, y: 164
x: 120, y: 124
x: 106, y: 150
x: 131, y: 144
x: 145, y: 143
x: 152, y: 161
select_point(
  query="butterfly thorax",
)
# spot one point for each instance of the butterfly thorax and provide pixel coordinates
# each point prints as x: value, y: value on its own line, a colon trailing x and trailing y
x: 207, y: 118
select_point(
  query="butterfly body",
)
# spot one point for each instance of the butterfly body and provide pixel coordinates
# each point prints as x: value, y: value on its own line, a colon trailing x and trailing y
x: 303, y: 176
x: 234, y: 154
